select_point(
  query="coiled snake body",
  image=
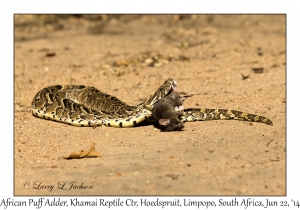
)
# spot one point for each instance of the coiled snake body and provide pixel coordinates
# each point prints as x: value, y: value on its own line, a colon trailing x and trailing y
x: 81, y: 105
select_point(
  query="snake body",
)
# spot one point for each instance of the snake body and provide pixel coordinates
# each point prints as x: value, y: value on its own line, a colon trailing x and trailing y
x: 81, y: 105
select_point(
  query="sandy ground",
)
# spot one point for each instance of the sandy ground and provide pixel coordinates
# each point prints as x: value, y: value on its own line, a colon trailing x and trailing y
x: 206, y: 158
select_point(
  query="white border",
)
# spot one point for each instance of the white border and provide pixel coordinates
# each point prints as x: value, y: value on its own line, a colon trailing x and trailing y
x: 8, y: 8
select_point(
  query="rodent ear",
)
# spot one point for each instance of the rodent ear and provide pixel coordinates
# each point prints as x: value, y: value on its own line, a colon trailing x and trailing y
x: 164, y: 122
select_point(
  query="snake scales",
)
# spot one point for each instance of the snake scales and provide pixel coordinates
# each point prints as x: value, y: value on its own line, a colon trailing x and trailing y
x: 80, y: 105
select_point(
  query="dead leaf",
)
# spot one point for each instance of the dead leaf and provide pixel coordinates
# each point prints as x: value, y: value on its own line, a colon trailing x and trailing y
x: 91, y: 152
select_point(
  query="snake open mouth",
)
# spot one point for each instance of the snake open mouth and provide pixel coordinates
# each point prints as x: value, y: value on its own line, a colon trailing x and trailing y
x: 174, y: 86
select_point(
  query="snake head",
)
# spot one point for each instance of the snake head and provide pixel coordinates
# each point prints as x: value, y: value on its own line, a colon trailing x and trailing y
x: 168, y: 86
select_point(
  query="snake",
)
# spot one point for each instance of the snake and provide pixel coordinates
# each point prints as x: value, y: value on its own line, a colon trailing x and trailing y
x: 86, y: 106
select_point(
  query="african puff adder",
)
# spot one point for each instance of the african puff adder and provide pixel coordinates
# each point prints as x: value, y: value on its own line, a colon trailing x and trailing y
x: 81, y: 105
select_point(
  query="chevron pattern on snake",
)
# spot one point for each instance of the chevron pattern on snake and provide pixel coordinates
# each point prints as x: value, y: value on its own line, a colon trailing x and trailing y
x: 81, y: 105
